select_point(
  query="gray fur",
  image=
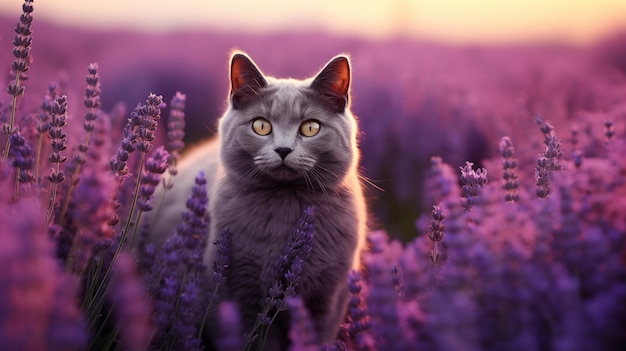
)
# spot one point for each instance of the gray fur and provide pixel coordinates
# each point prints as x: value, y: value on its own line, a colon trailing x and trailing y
x: 259, y: 197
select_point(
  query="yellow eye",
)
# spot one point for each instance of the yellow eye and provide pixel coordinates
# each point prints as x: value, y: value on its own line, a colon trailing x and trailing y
x: 261, y: 126
x: 310, y: 128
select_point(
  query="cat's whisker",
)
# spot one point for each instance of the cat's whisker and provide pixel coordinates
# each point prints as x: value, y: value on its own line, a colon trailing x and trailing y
x: 316, y: 175
x: 365, y: 181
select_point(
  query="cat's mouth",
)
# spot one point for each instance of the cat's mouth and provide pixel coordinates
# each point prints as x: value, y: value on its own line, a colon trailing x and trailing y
x: 284, y: 172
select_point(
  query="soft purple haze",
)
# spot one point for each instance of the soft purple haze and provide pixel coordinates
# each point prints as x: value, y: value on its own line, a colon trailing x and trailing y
x: 501, y: 209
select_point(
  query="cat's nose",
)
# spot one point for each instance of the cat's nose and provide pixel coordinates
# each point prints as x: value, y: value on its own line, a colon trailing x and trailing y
x: 283, y: 151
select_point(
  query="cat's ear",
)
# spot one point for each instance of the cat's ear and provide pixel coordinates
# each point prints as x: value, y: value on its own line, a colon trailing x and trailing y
x: 246, y: 80
x: 333, y: 82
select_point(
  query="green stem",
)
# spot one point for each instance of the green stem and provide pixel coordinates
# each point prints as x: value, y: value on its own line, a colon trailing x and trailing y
x: 207, y: 312
x: 123, y: 234
x: 17, y: 183
x: 73, y: 179
x: 133, y: 204
x: 5, y: 156
x: 38, y: 157
x: 53, y: 195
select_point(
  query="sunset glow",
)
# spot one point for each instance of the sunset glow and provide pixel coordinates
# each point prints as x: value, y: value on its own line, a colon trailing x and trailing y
x: 453, y: 21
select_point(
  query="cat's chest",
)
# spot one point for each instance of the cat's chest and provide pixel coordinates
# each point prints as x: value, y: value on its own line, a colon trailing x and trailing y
x: 269, y: 216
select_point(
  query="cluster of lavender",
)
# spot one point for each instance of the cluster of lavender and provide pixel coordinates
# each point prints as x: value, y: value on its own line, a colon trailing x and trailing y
x: 530, y: 269
x: 535, y: 261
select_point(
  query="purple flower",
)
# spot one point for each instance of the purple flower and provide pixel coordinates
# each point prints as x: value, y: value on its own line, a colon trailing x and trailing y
x: 436, y: 233
x: 510, y: 184
x: 91, y: 213
x: 548, y: 162
x: 358, y: 315
x: 382, y: 298
x: 297, y: 249
x: 21, y: 50
x: 138, y: 133
x: 302, y: 330
x: 473, y: 181
x: 609, y: 130
x: 38, y: 301
x: 155, y: 166
x: 176, y: 131
x: 229, y: 327
x: 21, y: 158
x: 131, y: 306
x: 178, y: 273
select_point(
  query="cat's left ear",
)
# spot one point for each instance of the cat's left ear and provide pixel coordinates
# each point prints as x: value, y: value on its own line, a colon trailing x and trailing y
x: 333, y: 82
x: 246, y: 80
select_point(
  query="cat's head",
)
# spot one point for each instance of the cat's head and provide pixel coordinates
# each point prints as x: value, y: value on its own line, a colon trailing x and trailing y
x: 281, y: 131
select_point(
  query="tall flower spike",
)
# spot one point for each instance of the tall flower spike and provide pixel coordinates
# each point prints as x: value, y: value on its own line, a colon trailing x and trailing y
x: 285, y: 276
x: 21, y: 50
x: 577, y: 154
x: 510, y: 184
x: 609, y: 130
x: 175, y: 132
x: 154, y: 168
x: 21, y: 160
x: 230, y: 327
x: 358, y: 316
x: 58, y: 143
x: 302, y: 331
x: 138, y: 133
x: 548, y: 162
x: 473, y: 181
x: 131, y: 307
x: 436, y: 233
x: 92, y: 102
x: 546, y: 128
x: 181, y: 258
x: 44, y: 123
x: 91, y: 214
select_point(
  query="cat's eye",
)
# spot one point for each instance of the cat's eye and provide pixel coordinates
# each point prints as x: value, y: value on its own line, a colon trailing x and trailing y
x: 261, y: 126
x: 310, y: 128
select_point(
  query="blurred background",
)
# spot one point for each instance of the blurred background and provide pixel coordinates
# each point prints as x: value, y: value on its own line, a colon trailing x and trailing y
x: 447, y: 78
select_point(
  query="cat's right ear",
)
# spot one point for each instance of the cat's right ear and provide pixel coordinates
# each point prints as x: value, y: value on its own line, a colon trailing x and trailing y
x: 246, y: 80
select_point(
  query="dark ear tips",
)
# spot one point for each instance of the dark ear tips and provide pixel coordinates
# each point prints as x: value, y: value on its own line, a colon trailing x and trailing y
x: 246, y: 80
x: 333, y: 82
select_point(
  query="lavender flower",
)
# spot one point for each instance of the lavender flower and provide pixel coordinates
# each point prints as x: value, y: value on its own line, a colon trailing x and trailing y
x: 609, y: 130
x: 382, y: 298
x: 92, y: 102
x: 175, y: 131
x: 154, y: 168
x: 436, y: 233
x: 229, y: 327
x: 34, y: 292
x: 299, y: 246
x: 302, y: 331
x: 577, y: 154
x: 44, y: 123
x: 91, y: 214
x: 184, y: 328
x: 138, y: 133
x: 546, y: 128
x: 285, y: 276
x: 473, y: 181
x: 21, y: 160
x: 131, y: 306
x: 510, y: 184
x: 182, y: 258
x: 58, y: 142
x: 21, y: 50
x: 358, y: 315
x: 547, y: 163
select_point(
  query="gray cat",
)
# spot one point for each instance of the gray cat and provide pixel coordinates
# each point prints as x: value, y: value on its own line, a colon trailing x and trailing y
x: 283, y: 145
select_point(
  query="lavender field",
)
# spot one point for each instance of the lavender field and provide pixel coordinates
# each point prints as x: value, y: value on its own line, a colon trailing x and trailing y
x: 496, y: 182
